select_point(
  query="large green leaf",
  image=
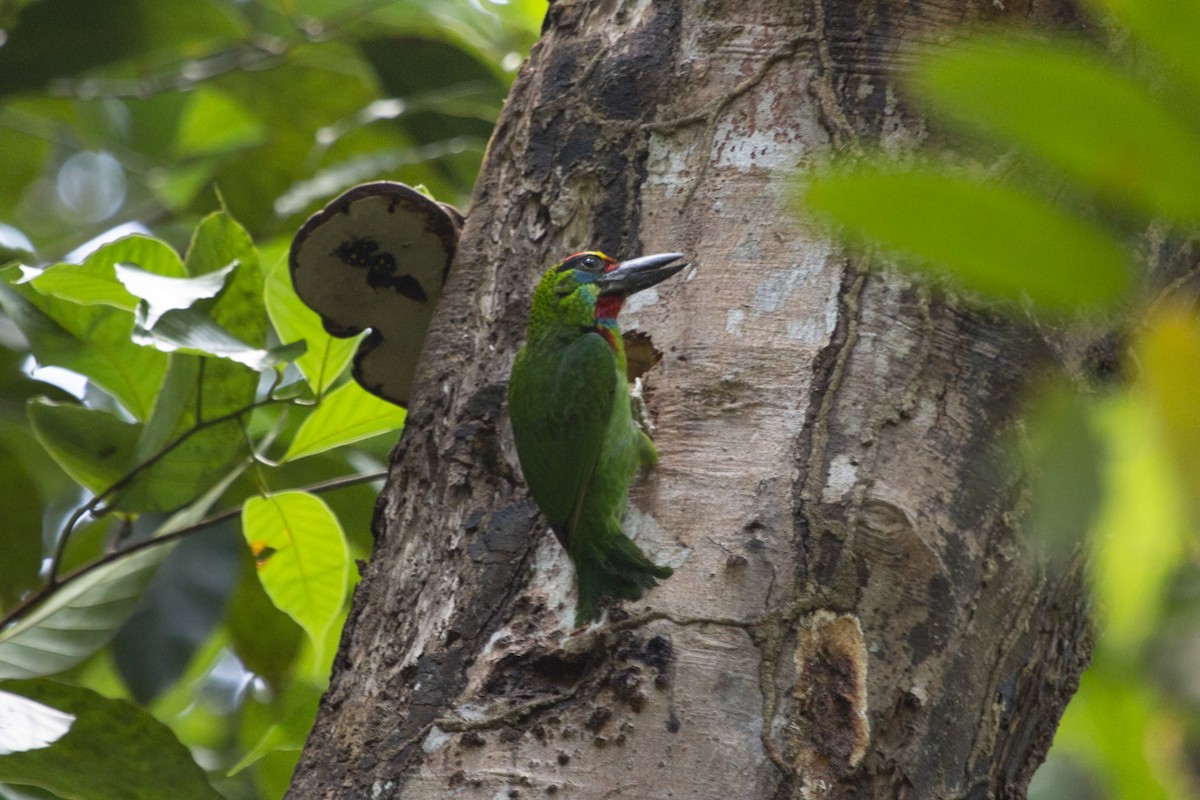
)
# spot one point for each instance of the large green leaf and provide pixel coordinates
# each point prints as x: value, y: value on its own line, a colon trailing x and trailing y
x: 199, y: 390
x: 1072, y: 108
x: 992, y: 238
x: 196, y: 459
x: 97, y: 281
x: 345, y: 415
x: 303, y: 561
x: 78, y: 618
x: 162, y: 293
x: 94, y: 341
x: 22, y: 497
x: 30, y: 725
x: 113, y: 751
x: 193, y: 332
x: 92, y: 446
x: 1172, y: 27
x: 326, y: 356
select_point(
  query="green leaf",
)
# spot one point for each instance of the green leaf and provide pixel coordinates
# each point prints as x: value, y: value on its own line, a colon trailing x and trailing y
x: 1169, y: 352
x: 326, y: 356
x: 22, y: 499
x: 191, y: 331
x: 1064, y: 458
x: 992, y: 238
x: 265, y: 639
x: 1142, y: 535
x: 290, y: 733
x: 1070, y: 107
x: 303, y: 561
x: 197, y: 389
x: 94, y: 341
x: 203, y: 458
x: 96, y: 280
x: 1113, y: 723
x: 114, y: 751
x: 1171, y: 27
x: 78, y: 618
x: 215, y: 123
x: 160, y: 294
x: 345, y: 415
x: 92, y: 446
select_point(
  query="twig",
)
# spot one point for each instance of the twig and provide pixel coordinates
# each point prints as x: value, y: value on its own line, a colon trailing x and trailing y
x: 46, y: 591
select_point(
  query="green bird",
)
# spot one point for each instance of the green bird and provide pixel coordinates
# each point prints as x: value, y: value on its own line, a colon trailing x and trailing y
x: 578, y: 444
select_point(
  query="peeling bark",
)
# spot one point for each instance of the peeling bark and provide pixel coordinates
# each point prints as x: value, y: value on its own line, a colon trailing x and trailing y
x: 851, y: 615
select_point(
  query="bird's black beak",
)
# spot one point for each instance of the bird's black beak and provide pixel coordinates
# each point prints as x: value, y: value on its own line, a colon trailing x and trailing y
x: 639, y: 273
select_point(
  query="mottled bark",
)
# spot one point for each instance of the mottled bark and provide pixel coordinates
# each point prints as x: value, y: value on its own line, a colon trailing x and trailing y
x: 851, y: 614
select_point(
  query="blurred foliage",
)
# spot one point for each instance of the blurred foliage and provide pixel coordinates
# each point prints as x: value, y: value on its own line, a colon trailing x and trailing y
x: 1079, y: 155
x: 159, y: 377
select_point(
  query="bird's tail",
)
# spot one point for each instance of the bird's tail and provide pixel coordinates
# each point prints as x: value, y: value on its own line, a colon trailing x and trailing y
x: 612, y: 567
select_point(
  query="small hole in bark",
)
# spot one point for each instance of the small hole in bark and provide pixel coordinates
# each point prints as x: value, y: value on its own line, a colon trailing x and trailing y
x: 640, y: 354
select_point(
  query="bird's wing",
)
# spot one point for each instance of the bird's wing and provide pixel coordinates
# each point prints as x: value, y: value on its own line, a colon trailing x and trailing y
x: 567, y: 441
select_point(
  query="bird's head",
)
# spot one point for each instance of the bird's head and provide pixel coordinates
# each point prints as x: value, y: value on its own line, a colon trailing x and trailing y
x: 590, y: 288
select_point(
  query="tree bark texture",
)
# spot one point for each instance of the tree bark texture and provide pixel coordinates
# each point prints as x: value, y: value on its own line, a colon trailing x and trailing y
x: 851, y: 614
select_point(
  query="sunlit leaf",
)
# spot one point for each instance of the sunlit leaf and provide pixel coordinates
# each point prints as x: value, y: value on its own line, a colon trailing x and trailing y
x: 347, y: 414
x: 91, y: 340
x: 113, y: 751
x: 993, y: 239
x: 1170, y: 358
x: 77, y: 619
x: 1072, y: 108
x: 200, y: 390
x: 1141, y: 533
x: 193, y: 332
x: 160, y: 294
x: 29, y: 725
x: 92, y: 446
x: 303, y: 561
x: 326, y: 356
x: 96, y: 282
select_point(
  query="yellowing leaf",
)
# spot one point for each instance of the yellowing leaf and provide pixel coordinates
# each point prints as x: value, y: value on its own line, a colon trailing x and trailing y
x: 306, y: 571
x: 1170, y: 358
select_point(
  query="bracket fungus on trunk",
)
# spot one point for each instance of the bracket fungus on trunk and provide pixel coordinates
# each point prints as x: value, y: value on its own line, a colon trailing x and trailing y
x: 376, y: 257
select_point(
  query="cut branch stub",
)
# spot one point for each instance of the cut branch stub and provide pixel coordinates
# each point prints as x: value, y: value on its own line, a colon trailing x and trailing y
x: 376, y: 257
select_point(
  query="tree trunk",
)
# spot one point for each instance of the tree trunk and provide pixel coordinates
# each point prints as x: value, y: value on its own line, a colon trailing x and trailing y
x: 850, y: 615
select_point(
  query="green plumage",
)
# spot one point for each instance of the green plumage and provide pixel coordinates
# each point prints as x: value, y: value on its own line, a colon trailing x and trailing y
x: 570, y: 408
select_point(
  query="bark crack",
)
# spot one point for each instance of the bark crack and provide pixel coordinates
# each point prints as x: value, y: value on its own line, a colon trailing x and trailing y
x: 711, y: 114
x: 829, y: 369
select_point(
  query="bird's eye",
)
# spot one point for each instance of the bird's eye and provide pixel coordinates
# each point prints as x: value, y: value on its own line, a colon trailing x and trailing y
x: 591, y: 262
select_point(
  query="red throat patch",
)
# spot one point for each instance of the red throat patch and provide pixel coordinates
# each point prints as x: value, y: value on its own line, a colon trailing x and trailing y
x: 608, y: 306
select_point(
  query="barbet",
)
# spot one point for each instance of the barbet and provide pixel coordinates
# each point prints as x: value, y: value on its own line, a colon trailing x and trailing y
x: 576, y: 439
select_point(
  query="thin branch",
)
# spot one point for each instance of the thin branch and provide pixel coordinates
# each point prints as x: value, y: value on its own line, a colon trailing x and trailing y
x: 93, y: 506
x: 221, y: 516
